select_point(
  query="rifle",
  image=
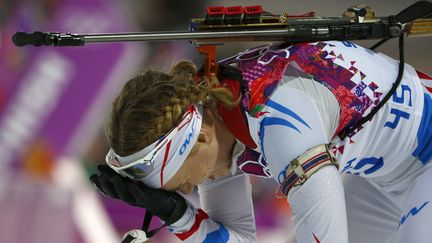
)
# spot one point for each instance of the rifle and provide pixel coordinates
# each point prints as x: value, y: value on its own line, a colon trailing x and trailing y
x: 251, y: 23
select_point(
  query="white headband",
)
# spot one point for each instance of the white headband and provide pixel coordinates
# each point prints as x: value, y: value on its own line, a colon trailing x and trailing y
x: 165, y: 156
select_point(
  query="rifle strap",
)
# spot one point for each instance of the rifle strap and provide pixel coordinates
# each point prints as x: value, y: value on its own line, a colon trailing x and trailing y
x: 347, y: 131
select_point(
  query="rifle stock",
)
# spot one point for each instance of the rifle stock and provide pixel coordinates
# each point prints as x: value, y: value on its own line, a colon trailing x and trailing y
x: 420, y: 27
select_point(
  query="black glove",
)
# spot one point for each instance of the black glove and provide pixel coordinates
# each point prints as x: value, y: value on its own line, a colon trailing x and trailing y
x: 168, y: 206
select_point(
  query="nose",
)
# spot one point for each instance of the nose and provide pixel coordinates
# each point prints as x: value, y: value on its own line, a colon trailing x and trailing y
x: 187, y: 188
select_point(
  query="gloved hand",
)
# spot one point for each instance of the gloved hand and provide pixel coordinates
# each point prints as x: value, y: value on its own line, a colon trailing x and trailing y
x: 168, y: 206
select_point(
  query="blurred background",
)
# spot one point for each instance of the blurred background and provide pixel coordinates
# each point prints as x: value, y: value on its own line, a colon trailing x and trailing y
x: 54, y: 102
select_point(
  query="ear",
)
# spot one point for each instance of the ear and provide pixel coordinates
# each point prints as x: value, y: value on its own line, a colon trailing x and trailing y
x: 205, y: 135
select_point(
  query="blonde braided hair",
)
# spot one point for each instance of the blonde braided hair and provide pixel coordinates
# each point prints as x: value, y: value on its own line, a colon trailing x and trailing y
x: 152, y: 103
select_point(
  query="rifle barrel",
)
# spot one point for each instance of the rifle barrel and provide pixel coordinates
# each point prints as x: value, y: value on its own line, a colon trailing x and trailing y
x: 197, y: 36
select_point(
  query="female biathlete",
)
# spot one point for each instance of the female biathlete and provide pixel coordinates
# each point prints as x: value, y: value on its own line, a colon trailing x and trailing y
x: 289, y: 112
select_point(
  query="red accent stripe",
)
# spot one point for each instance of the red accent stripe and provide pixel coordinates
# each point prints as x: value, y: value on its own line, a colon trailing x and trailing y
x: 164, y: 161
x: 190, y: 110
x: 314, y: 157
x: 318, y: 163
x: 199, y: 217
x: 316, y: 239
x: 423, y: 75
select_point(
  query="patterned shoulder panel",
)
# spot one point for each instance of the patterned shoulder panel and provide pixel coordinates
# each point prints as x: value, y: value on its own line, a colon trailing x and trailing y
x: 263, y: 67
x: 356, y: 92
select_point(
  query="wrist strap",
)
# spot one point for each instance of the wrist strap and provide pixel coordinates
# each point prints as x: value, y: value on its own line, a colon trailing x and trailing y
x: 145, y: 227
x: 146, y: 224
x: 179, y: 210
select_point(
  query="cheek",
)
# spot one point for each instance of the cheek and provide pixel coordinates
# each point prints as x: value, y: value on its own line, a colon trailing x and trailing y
x: 201, y: 164
x: 199, y: 172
